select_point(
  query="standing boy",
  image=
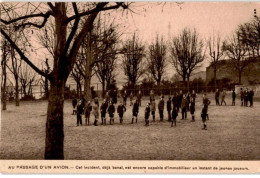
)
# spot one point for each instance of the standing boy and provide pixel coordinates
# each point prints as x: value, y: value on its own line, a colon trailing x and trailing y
x: 147, y: 114
x: 223, y: 97
x: 206, y: 103
x: 95, y: 113
x: 111, y: 111
x: 192, y: 109
x: 204, y: 116
x: 153, y: 109
x: 135, y: 111
x: 169, y: 108
x: 174, y: 115
x: 233, y: 97
x: 161, y: 108
x: 184, y: 107
x: 74, y: 104
x: 79, y: 112
x: 103, y: 110
x: 120, y: 110
x: 217, y: 97
x: 139, y: 97
x: 88, y: 109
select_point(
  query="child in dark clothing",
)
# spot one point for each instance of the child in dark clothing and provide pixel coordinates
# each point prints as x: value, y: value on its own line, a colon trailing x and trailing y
x: 169, y: 108
x: 120, y: 110
x: 174, y: 115
x: 88, y: 109
x: 233, y: 98
x: 192, y: 109
x: 103, y: 110
x: 147, y: 114
x: 204, y: 116
x: 74, y: 104
x: 111, y: 111
x: 135, y: 111
x: 79, y: 112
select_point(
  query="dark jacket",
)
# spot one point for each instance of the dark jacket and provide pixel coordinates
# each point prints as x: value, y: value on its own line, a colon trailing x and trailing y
x: 217, y: 95
x: 121, y: 109
x: 234, y: 94
x: 136, y: 107
x: 169, y: 105
x: 206, y: 101
x: 103, y: 107
x: 184, y: 103
x: 147, y: 112
x: 74, y: 103
x: 80, y: 109
x: 174, y: 113
x: 204, y: 113
x: 192, y: 107
x: 111, y: 109
x: 88, y: 109
x: 161, y: 105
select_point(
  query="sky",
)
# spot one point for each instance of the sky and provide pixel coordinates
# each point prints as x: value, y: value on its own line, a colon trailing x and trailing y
x: 168, y: 19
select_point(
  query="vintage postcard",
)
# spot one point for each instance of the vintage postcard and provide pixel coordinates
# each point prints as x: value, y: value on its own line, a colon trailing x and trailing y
x: 130, y: 87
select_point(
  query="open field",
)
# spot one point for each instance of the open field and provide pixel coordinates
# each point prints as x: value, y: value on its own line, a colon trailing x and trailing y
x: 233, y: 134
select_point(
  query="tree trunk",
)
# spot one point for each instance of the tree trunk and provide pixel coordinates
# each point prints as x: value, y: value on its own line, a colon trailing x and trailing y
x: 215, y: 79
x: 54, y: 126
x: 103, y: 88
x: 16, y: 92
x: 46, y: 88
x: 88, y: 70
x: 4, y: 85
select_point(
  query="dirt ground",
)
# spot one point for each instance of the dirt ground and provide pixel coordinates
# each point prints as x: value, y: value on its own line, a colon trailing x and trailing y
x: 233, y: 134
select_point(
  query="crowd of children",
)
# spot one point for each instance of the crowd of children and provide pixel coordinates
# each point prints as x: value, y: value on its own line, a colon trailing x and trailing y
x: 179, y: 102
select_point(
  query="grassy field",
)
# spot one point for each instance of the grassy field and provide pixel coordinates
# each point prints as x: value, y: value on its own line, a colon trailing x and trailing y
x: 233, y: 134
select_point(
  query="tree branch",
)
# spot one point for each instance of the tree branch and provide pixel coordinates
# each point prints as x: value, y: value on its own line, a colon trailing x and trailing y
x: 23, y: 57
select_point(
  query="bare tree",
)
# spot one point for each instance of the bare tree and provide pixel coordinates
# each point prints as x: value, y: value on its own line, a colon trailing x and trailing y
x: 215, y: 54
x: 132, y: 64
x: 186, y: 53
x: 237, y: 52
x: 4, y: 49
x: 68, y: 39
x: 27, y: 77
x: 249, y: 35
x: 78, y: 76
x: 43, y: 80
x: 105, y: 52
x: 157, y: 59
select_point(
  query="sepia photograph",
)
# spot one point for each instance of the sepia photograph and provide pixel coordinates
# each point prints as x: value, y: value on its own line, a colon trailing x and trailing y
x: 130, y: 81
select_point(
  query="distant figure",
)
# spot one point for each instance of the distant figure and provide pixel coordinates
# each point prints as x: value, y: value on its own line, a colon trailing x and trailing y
x: 131, y: 98
x: 120, y: 110
x: 161, y: 107
x: 184, y: 107
x: 74, y: 104
x: 217, y: 97
x: 114, y: 97
x: 188, y: 103
x: 206, y: 103
x: 251, y: 97
x: 246, y: 97
x: 223, y: 96
x: 204, y: 116
x: 111, y: 111
x: 135, y: 111
x: 107, y: 97
x: 93, y: 93
x: 180, y: 96
x: 139, y: 97
x: 153, y: 109
x: 242, y: 95
x: 169, y: 108
x: 193, y: 96
x: 103, y: 110
x: 151, y: 96
x: 125, y: 97
x: 147, y: 114
x: 174, y: 115
x: 95, y: 113
x: 87, y: 110
x: 192, y: 109
x: 233, y: 97
x: 79, y: 112
x: 175, y: 100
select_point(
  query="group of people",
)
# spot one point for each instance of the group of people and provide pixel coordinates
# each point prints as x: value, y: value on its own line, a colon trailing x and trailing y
x: 247, y: 97
x: 178, y: 102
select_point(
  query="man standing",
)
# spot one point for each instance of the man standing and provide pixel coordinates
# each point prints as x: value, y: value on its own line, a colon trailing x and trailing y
x: 103, y: 110
x: 161, y: 107
x: 135, y: 111
x: 251, y: 97
x: 153, y: 109
x: 233, y: 97
x: 223, y: 97
x: 242, y: 96
x: 184, y: 104
x: 139, y: 97
x: 206, y: 103
x: 169, y: 108
x: 217, y: 97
